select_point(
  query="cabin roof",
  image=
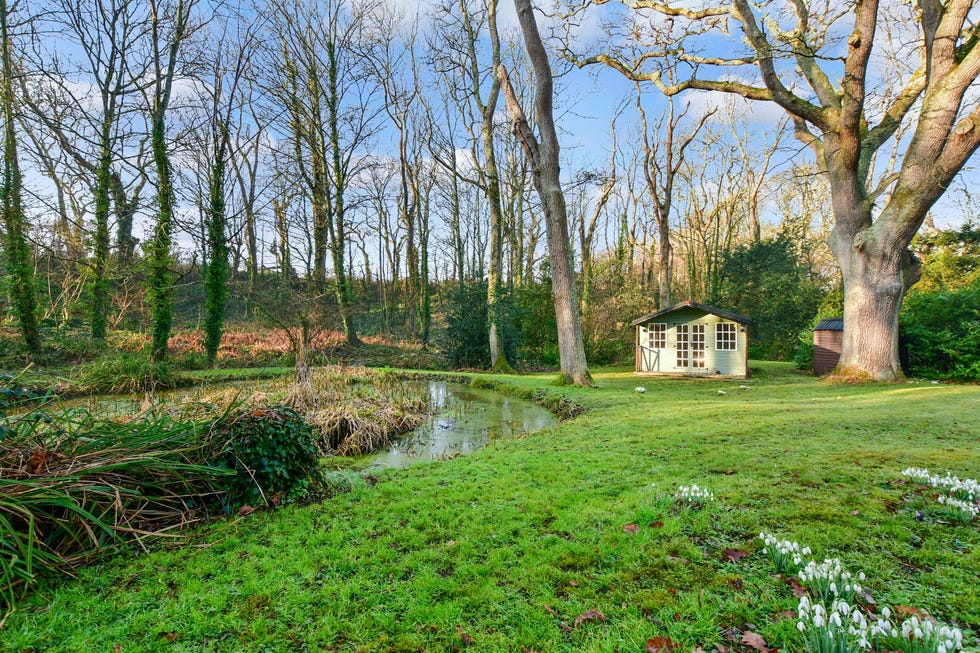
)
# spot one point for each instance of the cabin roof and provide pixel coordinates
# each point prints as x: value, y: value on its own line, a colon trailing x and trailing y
x: 714, y: 310
x: 830, y: 324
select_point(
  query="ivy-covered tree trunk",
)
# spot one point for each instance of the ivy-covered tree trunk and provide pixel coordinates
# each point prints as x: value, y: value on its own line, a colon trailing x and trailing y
x: 20, y: 268
x: 216, y: 271
x: 100, y: 261
x: 338, y: 221
x: 160, y: 276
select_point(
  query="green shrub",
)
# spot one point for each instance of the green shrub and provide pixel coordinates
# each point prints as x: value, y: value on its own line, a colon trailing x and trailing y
x: 940, y: 333
x: 126, y: 373
x: 273, y: 452
x: 803, y: 349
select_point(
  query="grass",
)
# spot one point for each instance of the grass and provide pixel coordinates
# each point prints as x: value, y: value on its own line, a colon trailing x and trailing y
x: 509, y: 545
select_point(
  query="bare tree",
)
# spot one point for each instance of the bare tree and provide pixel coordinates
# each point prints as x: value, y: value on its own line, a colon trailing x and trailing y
x: 844, y: 123
x: 543, y: 156
x: 477, y: 89
x: 316, y: 76
x: 662, y: 160
x: 90, y: 123
x: 170, y: 28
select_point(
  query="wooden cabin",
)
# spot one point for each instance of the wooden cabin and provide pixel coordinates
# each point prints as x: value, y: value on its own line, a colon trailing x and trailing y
x: 692, y: 339
x: 828, y: 338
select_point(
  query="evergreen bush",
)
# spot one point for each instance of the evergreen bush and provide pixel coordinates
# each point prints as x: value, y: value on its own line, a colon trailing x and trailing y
x: 273, y: 452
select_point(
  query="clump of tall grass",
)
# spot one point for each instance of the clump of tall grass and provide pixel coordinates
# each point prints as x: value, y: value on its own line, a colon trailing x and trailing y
x: 73, y: 487
x: 356, y: 411
x: 125, y: 373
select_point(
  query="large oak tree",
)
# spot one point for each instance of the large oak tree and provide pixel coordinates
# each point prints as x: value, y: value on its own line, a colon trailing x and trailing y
x: 815, y: 60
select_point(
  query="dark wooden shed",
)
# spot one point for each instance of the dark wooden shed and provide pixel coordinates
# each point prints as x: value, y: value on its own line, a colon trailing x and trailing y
x: 828, y: 336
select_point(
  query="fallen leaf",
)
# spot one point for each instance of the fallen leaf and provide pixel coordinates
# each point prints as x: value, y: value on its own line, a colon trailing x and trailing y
x: 245, y: 510
x: 736, y: 583
x: 551, y: 611
x: 170, y: 636
x: 588, y: 615
x: 632, y: 529
x: 117, y: 648
x: 854, y: 512
x: 467, y: 640
x: 661, y: 644
x: 734, y: 555
x: 656, y: 524
x: 573, y: 583
x: 906, y: 611
x: 755, y: 640
x: 798, y: 590
x: 788, y: 614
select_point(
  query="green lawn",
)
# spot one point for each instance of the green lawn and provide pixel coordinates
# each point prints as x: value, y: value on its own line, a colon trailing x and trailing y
x: 501, y: 550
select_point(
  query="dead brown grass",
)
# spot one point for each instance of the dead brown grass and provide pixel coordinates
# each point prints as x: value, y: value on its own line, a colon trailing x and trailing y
x: 356, y: 411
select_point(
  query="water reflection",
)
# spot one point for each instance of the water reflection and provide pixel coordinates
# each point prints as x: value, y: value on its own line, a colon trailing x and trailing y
x: 464, y: 420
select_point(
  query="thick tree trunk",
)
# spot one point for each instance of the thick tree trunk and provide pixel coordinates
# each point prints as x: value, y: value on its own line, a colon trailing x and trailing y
x: 875, y: 281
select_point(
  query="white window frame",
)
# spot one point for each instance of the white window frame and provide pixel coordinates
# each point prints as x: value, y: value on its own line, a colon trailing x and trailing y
x: 683, y: 345
x: 698, y: 345
x: 658, y: 329
x: 726, y: 336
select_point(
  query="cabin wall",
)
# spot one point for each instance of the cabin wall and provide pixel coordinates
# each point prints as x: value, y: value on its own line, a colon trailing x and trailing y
x: 827, y: 346
x: 720, y: 363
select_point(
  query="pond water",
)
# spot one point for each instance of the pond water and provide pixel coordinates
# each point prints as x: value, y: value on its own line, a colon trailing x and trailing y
x: 463, y: 420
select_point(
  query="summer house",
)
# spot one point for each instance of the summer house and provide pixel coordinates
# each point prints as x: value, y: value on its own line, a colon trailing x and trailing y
x: 692, y: 339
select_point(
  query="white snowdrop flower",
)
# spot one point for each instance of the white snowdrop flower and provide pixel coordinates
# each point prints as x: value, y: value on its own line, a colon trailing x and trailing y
x: 861, y: 576
x: 800, y: 626
x: 886, y: 613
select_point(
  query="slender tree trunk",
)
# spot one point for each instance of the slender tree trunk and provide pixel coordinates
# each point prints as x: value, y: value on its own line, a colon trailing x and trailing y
x: 544, y: 160
x: 338, y: 240
x: 495, y: 316
x: 216, y: 270
x: 160, y: 278
x: 100, y: 262
x: 665, y: 261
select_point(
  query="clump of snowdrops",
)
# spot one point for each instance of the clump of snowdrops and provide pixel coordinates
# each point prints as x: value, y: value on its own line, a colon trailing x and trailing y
x: 694, y: 496
x: 830, y: 620
x: 787, y: 555
x: 959, y: 499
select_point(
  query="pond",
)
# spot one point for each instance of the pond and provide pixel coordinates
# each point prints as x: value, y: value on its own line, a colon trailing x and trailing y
x: 462, y: 420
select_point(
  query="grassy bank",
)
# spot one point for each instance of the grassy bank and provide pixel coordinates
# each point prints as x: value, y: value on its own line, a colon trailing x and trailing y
x: 507, y: 547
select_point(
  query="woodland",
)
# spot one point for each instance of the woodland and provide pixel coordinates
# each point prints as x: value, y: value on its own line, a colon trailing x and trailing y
x: 345, y: 171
